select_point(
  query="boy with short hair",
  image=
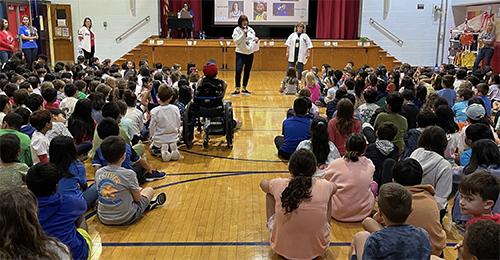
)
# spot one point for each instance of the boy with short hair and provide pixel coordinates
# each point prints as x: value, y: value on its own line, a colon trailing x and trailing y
x: 474, y: 133
x: 461, y: 74
x: 26, y: 128
x: 425, y: 213
x: 409, y: 109
x: 494, y: 92
x: 109, y: 127
x: 50, y: 97
x: 121, y: 200
x: 11, y: 125
x: 394, y: 105
x: 395, y: 205
x: 368, y: 109
x: 295, y: 129
x: 482, y: 92
x: 5, y: 106
x: 447, y: 92
x: 479, y: 192
x: 331, y: 107
x: 164, y: 126
x: 381, y: 150
x: 41, y: 120
x: 68, y: 104
x: 82, y: 87
x: 480, y: 241
x: 61, y: 216
x: 463, y: 96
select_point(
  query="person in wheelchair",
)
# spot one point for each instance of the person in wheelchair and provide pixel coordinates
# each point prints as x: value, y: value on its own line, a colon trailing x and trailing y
x: 208, y: 104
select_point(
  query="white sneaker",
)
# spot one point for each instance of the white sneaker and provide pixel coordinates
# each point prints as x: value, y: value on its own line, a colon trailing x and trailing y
x: 165, y: 154
x: 174, y: 152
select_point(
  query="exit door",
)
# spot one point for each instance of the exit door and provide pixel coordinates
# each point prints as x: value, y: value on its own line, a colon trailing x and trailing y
x: 62, y: 32
x: 15, y: 13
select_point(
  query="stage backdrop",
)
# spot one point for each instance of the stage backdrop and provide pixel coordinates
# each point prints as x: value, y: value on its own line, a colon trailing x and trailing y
x: 175, y: 6
x: 337, y: 19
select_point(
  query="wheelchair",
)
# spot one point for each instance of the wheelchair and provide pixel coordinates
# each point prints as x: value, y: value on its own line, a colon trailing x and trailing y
x: 210, y: 114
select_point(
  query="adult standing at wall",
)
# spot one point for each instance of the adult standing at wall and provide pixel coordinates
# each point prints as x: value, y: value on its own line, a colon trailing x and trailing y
x: 6, y: 41
x: 87, y: 40
x: 486, y: 42
x: 245, y: 39
x: 28, y: 35
x: 187, y: 32
x: 298, y: 48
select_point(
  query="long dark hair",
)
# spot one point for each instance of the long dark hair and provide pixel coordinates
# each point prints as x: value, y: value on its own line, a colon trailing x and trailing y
x: 21, y: 235
x: 84, y: 20
x: 62, y: 153
x: 345, y: 113
x: 320, y: 139
x: 98, y: 100
x: 484, y: 152
x: 355, y: 147
x: 302, y: 166
x: 81, y: 123
x: 446, y: 119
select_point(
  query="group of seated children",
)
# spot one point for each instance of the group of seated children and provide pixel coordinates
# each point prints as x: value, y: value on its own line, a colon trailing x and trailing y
x: 49, y: 129
x: 414, y: 149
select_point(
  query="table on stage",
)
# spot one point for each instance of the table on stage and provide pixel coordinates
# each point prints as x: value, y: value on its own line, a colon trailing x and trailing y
x: 179, y: 23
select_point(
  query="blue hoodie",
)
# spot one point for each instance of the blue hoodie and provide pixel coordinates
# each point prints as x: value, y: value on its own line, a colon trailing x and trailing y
x: 57, y: 214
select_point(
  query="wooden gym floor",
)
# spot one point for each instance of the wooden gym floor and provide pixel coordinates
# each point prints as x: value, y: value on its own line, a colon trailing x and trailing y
x: 215, y: 208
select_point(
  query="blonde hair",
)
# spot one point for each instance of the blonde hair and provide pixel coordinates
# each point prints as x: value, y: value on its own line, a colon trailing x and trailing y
x: 300, y: 24
x: 111, y: 81
x: 493, y: 26
x: 310, y: 79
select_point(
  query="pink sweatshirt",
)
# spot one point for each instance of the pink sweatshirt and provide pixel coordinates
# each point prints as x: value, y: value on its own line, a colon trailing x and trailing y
x: 314, y: 93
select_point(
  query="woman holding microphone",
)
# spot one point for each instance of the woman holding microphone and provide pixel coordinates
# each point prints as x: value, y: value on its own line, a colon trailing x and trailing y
x: 245, y: 39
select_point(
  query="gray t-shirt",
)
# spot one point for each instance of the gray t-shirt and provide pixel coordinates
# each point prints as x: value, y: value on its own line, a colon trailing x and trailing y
x: 59, y: 250
x: 12, y: 176
x: 115, y: 186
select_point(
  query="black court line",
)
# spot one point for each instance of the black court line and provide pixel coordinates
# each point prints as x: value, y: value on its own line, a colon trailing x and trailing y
x: 231, y: 158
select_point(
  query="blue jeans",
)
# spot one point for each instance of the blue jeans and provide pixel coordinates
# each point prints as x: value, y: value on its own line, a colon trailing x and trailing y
x: 484, y: 53
x: 247, y: 61
x: 90, y: 195
x: 5, y: 56
x: 299, y: 66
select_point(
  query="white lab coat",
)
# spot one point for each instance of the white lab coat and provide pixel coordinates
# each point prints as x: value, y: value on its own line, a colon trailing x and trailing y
x: 305, y: 44
x: 85, y: 43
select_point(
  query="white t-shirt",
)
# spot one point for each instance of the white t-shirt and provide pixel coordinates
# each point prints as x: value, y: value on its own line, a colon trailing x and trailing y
x: 39, y: 146
x: 165, y: 124
x: 135, y: 115
x: 304, y: 44
x: 58, y: 129
x: 68, y: 105
x: 367, y: 110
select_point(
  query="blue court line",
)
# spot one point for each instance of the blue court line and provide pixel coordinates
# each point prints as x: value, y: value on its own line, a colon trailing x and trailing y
x: 259, y: 107
x: 230, y: 158
x: 216, y: 244
x: 222, y: 174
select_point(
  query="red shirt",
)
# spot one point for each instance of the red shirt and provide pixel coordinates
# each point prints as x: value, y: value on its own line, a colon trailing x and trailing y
x: 92, y: 43
x: 6, y: 40
x: 495, y: 218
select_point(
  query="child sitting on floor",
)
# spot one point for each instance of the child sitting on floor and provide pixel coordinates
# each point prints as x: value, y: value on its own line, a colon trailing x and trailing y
x: 41, y: 120
x: 289, y: 85
x: 398, y: 240
x: 297, y: 232
x: 425, y: 213
x: 353, y: 174
x: 12, y: 172
x: 121, y: 200
x: 61, y: 216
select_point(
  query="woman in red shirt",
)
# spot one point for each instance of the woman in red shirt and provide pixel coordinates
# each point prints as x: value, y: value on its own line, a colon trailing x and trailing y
x: 6, y: 41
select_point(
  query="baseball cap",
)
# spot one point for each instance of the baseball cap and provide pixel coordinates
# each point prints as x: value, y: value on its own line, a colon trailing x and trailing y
x: 475, y: 111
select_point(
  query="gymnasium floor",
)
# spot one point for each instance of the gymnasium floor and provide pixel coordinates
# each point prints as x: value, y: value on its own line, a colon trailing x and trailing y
x: 215, y: 208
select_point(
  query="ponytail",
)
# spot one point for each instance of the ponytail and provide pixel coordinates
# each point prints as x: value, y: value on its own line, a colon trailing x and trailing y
x: 355, y: 147
x: 299, y: 188
x: 320, y: 139
x: 302, y: 166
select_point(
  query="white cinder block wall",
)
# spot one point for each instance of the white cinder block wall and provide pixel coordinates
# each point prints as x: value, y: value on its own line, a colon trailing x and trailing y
x: 118, y: 15
x: 417, y: 28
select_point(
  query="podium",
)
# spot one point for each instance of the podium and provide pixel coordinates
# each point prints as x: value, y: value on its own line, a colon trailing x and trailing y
x: 177, y: 24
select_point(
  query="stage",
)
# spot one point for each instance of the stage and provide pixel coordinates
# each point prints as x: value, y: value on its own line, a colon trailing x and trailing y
x: 271, y: 55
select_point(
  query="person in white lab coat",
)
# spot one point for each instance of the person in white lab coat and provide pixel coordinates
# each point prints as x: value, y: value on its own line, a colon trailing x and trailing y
x: 298, y: 48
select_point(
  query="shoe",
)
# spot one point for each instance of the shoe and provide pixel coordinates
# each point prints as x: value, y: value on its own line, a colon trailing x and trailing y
x: 174, y: 152
x: 155, y: 175
x: 157, y: 201
x: 165, y: 154
x: 246, y: 92
x: 236, y: 92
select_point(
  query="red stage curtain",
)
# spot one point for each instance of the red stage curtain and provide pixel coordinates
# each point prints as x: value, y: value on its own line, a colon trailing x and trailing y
x: 337, y: 19
x: 176, y: 5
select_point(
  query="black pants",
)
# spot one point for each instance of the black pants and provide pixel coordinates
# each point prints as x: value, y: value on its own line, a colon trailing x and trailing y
x: 278, y: 141
x: 139, y: 172
x: 89, y: 55
x: 30, y: 56
x: 243, y: 60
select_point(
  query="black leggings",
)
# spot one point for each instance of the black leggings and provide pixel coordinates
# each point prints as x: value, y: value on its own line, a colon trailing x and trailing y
x: 243, y: 60
x: 30, y: 56
x: 89, y: 55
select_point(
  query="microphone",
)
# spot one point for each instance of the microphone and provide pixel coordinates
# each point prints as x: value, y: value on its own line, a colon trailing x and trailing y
x: 246, y: 28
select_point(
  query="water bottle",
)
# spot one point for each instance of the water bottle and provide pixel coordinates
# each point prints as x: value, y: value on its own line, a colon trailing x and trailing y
x: 203, y: 35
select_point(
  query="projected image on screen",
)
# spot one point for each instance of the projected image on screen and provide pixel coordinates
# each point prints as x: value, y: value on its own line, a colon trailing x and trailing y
x: 236, y: 9
x: 282, y: 9
x: 264, y: 12
x: 260, y: 11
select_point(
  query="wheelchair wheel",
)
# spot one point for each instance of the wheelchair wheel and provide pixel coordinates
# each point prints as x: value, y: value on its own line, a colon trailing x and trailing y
x: 188, y: 127
x: 228, y: 118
